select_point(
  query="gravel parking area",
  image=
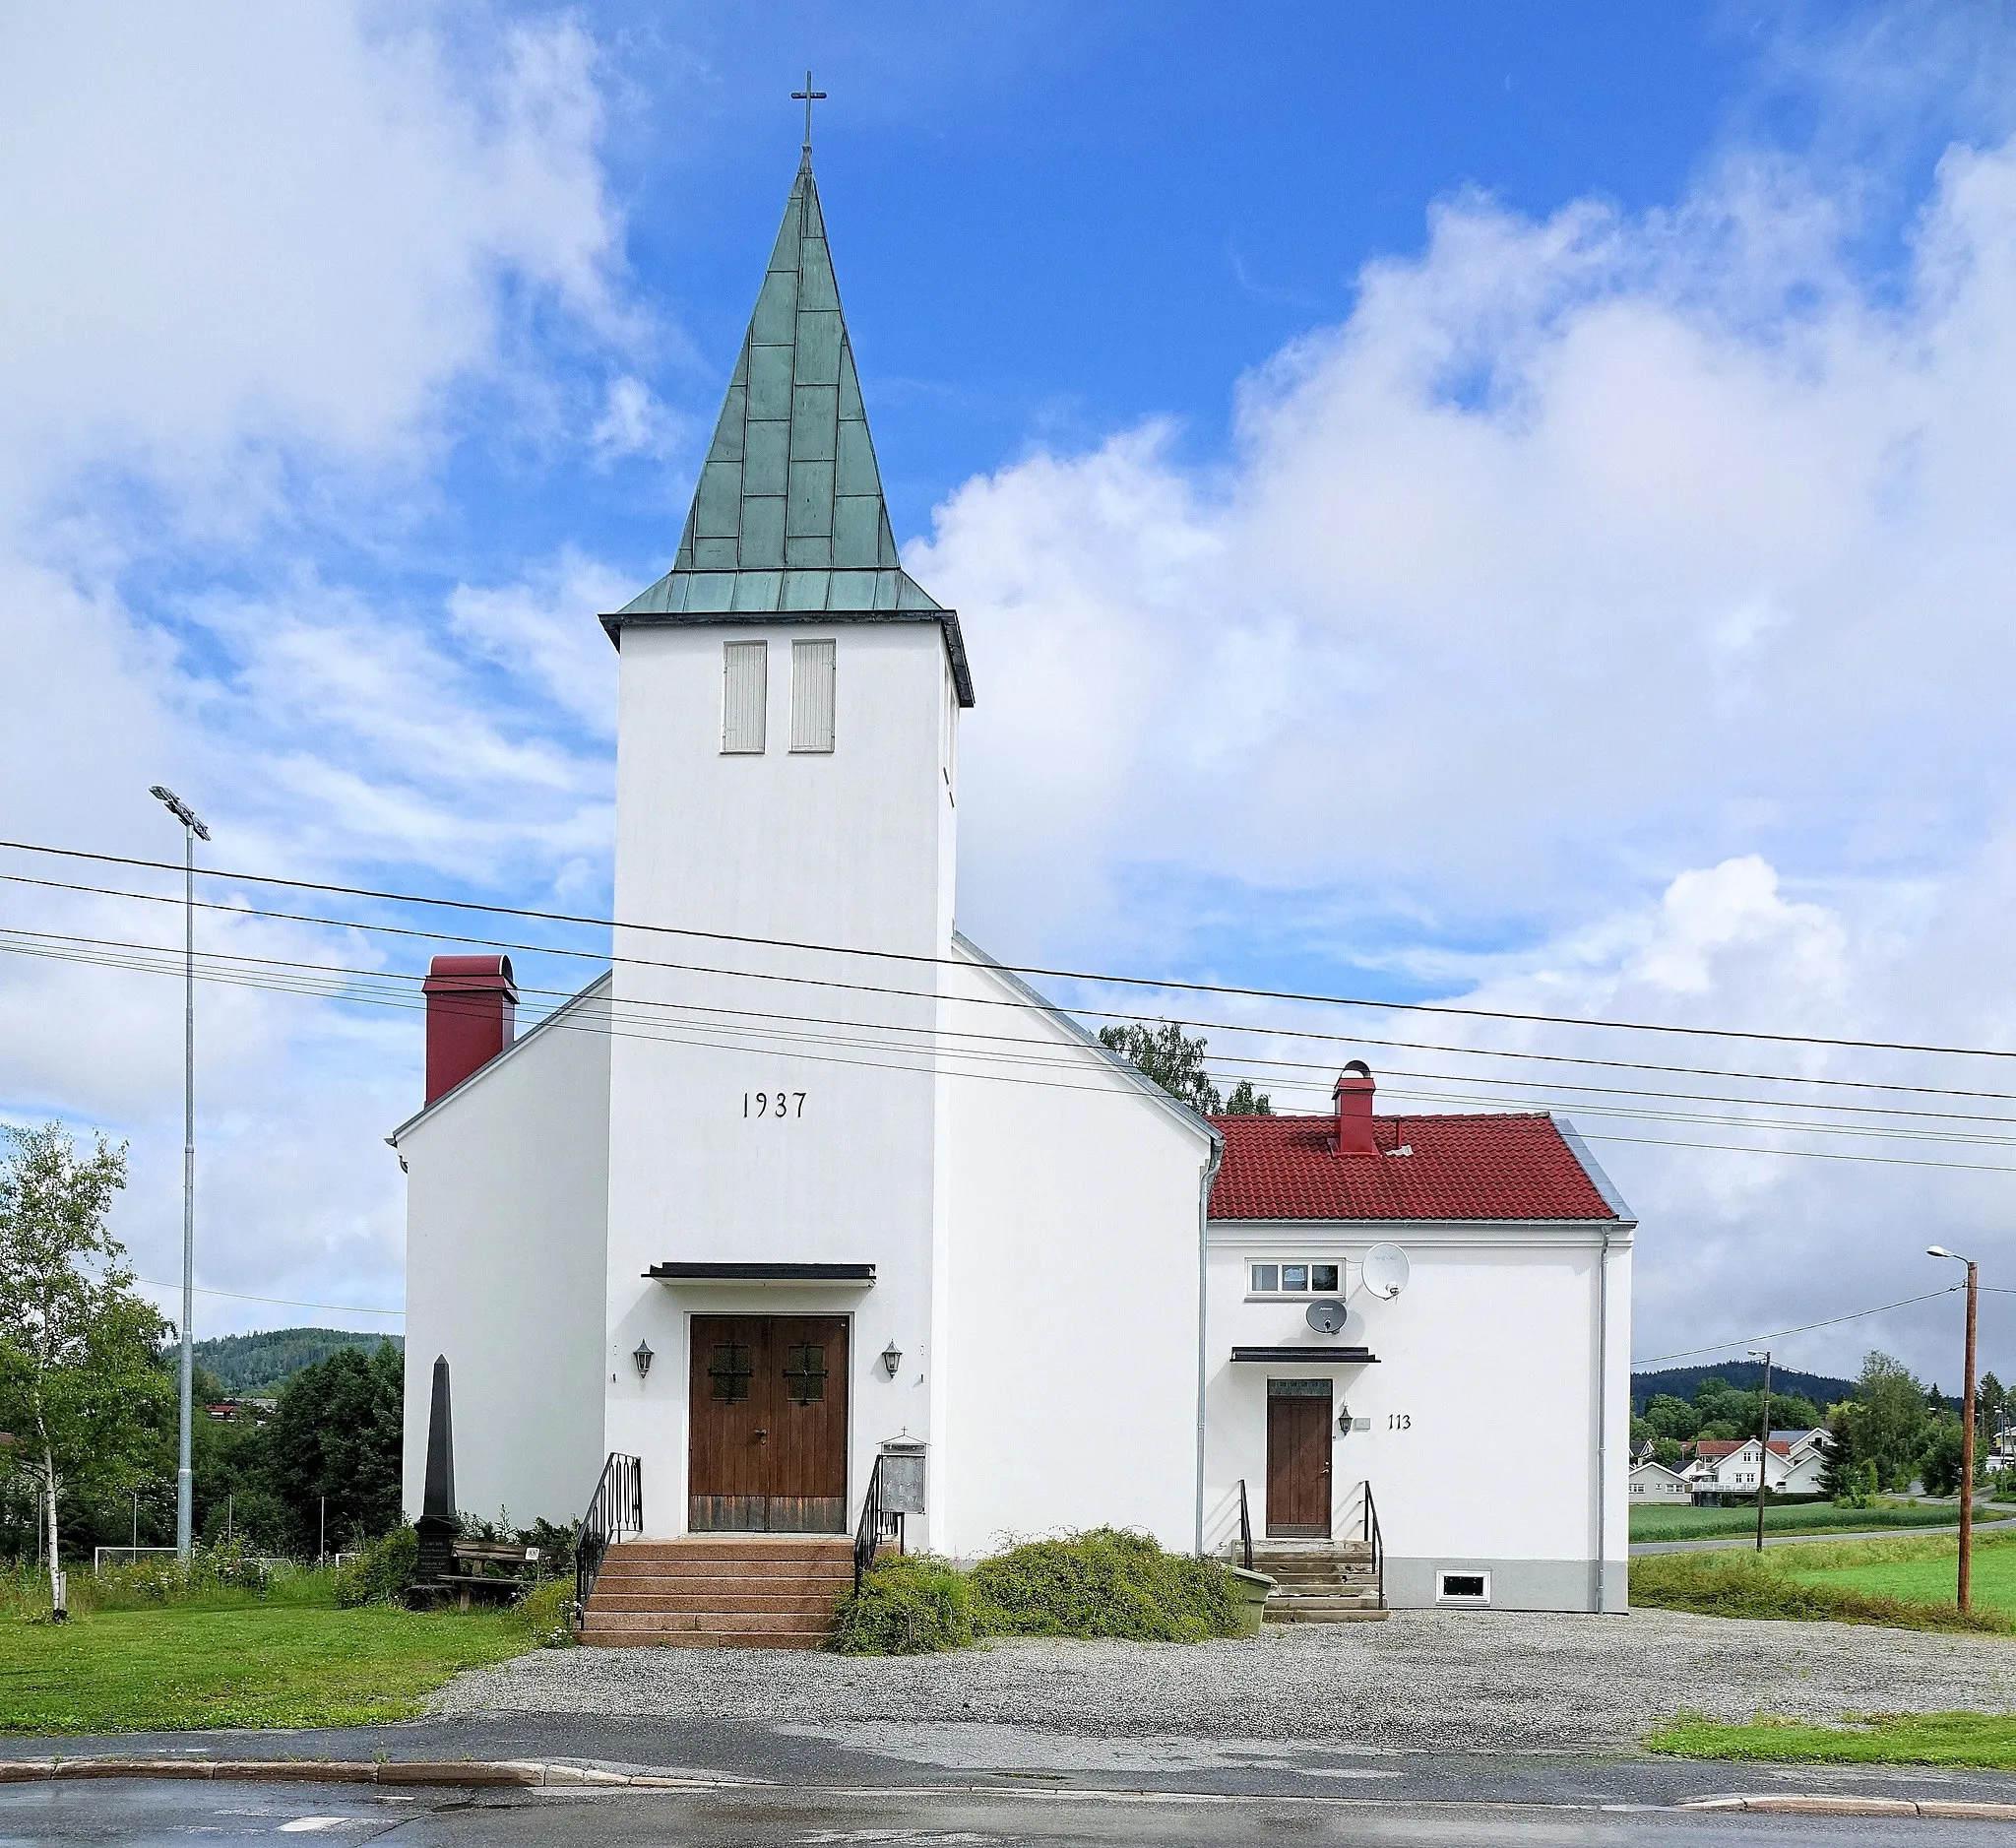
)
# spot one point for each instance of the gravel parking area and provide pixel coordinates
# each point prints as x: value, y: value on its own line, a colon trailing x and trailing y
x: 1425, y: 1679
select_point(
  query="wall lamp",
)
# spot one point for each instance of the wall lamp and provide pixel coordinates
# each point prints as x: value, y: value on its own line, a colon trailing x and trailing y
x: 643, y: 1359
x: 891, y: 1359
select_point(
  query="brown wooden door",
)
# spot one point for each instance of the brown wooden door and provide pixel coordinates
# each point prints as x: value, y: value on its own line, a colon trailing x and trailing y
x: 1298, y: 1459
x: 768, y: 1414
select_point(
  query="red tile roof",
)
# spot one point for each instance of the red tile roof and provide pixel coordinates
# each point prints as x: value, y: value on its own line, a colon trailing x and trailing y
x: 1479, y: 1167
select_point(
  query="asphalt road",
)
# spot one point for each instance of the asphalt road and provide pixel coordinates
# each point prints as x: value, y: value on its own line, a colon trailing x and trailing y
x: 1984, y: 1523
x: 953, y: 1782
x: 133, y: 1814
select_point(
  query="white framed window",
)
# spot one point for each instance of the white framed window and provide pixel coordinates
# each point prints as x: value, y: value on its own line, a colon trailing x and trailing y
x: 1463, y: 1587
x: 812, y: 696
x: 1299, y: 1279
x: 745, y: 697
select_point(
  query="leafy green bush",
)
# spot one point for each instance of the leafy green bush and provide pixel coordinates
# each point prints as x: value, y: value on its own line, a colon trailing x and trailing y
x: 163, y: 1578
x: 1106, y: 1582
x: 548, y: 1611
x: 383, y: 1570
x: 909, y: 1605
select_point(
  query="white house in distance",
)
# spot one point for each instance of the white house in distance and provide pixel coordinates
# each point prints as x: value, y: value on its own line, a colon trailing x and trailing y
x: 806, y: 1174
x: 1653, y: 1485
x: 1729, y: 1466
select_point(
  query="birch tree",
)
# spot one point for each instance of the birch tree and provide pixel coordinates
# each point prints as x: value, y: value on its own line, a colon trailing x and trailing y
x: 77, y: 1376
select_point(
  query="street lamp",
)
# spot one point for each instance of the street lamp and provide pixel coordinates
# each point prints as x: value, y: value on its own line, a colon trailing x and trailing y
x: 1763, y: 1442
x: 193, y: 830
x: 1966, y: 1428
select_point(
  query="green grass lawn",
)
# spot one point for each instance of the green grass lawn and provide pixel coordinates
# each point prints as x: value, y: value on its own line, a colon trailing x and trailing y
x: 1974, y: 1741
x: 291, y: 1658
x: 1906, y: 1581
x: 1801, y: 1518
x: 1917, y: 1570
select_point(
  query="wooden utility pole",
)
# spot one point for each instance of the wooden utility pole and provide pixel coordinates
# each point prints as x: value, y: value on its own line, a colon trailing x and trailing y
x: 1966, y: 1428
x: 1763, y: 1447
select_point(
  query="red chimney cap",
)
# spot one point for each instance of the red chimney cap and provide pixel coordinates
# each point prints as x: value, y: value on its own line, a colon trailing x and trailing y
x: 448, y: 974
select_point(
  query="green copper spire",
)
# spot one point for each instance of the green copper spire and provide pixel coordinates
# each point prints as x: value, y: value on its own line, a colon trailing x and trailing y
x: 787, y: 521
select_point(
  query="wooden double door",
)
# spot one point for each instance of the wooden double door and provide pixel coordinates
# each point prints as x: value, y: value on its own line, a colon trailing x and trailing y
x: 767, y: 1408
x: 1298, y: 1459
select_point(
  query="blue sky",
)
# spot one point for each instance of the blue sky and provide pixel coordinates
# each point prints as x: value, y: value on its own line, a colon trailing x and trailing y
x: 1462, y: 501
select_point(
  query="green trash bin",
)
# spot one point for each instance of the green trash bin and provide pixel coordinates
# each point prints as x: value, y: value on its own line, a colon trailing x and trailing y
x: 1250, y: 1589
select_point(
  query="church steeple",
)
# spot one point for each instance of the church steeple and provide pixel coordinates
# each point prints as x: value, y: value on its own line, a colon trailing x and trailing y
x: 787, y: 521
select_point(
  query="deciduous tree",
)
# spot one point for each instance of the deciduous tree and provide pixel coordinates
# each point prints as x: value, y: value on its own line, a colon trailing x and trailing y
x: 78, y: 1379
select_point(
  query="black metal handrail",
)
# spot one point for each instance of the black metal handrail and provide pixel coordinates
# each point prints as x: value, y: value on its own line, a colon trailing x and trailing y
x: 1246, y: 1529
x: 868, y: 1535
x: 616, y: 1508
x: 1377, y: 1542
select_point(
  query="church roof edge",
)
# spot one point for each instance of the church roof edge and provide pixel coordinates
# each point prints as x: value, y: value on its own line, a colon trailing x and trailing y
x: 789, y: 522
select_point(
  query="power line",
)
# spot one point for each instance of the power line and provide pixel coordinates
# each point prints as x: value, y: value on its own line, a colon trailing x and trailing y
x: 750, y: 1039
x: 1098, y: 1013
x: 1161, y: 982
x: 285, y: 1303
x: 1225, y: 1066
x: 1777, y: 1334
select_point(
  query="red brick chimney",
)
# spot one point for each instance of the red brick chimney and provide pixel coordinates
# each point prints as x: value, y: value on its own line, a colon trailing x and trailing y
x: 1354, y: 1094
x: 471, y: 1010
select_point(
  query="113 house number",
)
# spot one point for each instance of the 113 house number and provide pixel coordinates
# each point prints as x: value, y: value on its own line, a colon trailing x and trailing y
x: 1399, y: 1420
x: 777, y: 1104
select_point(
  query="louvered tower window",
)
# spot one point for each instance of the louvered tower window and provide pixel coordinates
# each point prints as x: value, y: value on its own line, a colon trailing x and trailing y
x: 811, y: 696
x: 745, y: 689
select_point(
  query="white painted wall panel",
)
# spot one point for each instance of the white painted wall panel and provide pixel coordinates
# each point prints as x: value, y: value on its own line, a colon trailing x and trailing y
x: 852, y: 848
x: 506, y: 1216
x: 1493, y: 1316
x: 1069, y: 1354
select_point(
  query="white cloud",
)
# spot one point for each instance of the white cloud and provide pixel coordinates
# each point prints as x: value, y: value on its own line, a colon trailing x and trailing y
x: 634, y: 423
x: 1629, y: 596
x: 250, y: 227
x: 258, y: 261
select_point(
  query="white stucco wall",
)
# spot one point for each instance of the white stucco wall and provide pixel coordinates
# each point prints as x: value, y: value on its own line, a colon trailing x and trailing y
x: 506, y: 1202
x: 1069, y: 1356
x: 851, y: 848
x: 1497, y: 1322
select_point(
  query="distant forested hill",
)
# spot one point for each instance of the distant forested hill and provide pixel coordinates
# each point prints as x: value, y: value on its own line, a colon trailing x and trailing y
x: 1822, y: 1388
x: 258, y: 1363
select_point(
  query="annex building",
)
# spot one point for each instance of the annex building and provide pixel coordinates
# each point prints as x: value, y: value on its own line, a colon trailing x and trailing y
x: 806, y: 1183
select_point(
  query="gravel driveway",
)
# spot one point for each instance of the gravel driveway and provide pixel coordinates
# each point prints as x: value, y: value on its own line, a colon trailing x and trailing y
x: 1425, y: 1679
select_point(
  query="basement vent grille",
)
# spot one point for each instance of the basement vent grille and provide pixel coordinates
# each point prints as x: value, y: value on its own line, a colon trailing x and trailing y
x: 1463, y: 1588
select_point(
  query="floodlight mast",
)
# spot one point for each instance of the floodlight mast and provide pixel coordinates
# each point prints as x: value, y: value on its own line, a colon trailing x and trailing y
x: 193, y: 830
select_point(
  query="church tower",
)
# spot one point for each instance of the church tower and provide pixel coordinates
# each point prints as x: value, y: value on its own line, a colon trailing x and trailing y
x: 787, y: 790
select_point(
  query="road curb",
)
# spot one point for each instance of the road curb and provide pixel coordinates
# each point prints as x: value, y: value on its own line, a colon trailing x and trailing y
x: 466, y: 1774
x: 527, y: 1774
x: 1789, y: 1803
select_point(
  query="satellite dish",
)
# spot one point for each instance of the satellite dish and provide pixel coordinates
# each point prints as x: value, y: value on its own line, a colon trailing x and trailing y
x: 1327, y: 1316
x: 1386, y: 1271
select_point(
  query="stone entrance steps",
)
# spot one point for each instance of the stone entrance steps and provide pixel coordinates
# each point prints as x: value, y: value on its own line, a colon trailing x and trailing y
x: 1320, y: 1582
x: 719, y: 1591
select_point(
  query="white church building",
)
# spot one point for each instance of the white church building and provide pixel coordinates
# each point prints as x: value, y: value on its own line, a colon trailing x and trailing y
x: 807, y: 1180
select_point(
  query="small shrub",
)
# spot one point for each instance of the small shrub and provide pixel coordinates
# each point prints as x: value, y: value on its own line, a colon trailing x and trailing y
x: 909, y: 1606
x: 383, y: 1570
x: 1106, y: 1582
x: 547, y: 1610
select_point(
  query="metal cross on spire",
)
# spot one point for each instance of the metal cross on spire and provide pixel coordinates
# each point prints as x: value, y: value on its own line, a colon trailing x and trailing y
x: 808, y: 97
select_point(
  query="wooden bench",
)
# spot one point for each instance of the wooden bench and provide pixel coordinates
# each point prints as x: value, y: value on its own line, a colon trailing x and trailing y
x: 468, y: 1581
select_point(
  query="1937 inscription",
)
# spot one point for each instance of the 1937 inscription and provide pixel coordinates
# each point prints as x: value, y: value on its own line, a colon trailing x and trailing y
x: 781, y: 1106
